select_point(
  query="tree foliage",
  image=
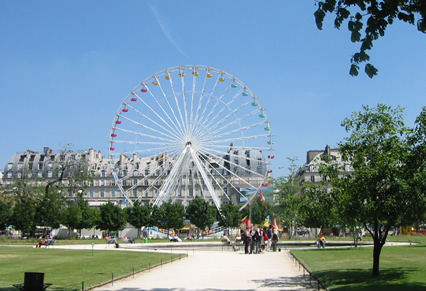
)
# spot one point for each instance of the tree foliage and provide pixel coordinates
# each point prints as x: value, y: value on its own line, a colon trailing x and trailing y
x: 382, y: 191
x: 169, y: 215
x: 231, y: 215
x: 111, y: 218
x: 5, y: 214
x: 368, y: 20
x: 138, y: 215
x: 79, y: 215
x: 286, y: 190
x: 201, y: 213
x: 260, y: 210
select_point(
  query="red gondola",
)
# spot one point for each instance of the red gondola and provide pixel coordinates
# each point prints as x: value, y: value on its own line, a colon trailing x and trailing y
x: 134, y: 99
x: 125, y: 110
x: 111, y: 148
x: 118, y: 122
x: 113, y: 134
x: 144, y: 90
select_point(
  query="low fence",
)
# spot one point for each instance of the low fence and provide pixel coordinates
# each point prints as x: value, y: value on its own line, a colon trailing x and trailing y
x: 119, y: 275
x: 314, y: 282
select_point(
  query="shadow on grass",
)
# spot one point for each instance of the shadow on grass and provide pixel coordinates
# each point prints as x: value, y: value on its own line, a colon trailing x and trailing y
x: 361, y: 279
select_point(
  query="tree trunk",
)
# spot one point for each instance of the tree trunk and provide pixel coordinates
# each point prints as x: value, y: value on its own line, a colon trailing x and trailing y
x: 376, y: 257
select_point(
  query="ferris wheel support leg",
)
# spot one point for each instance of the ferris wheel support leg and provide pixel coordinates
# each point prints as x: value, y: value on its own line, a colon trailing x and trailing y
x: 165, y: 189
x: 206, y: 180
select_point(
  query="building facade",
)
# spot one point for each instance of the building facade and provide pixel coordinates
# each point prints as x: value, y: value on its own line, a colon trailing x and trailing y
x: 132, y: 178
x: 310, y: 172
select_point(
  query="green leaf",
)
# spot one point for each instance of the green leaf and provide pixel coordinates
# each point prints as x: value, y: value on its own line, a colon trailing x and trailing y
x: 319, y: 18
x: 354, y: 70
x: 355, y: 36
x: 370, y: 70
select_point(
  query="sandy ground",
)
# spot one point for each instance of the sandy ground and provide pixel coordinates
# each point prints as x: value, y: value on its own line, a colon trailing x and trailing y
x: 220, y: 270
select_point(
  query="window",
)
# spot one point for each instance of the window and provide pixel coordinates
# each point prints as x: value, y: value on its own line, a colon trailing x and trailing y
x: 102, y: 193
x: 312, y: 178
x: 19, y: 166
x: 70, y: 193
x: 49, y: 174
x: 9, y: 166
x: 113, y: 193
x: 135, y: 193
x: 91, y: 194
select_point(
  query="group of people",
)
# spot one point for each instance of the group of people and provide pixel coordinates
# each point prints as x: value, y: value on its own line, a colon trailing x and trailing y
x: 257, y: 240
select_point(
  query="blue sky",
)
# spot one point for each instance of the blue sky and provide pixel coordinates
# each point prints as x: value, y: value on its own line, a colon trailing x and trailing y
x: 66, y: 66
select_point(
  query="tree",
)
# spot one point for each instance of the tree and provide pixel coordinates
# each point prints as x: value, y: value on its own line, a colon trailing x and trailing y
x: 111, y: 218
x: 376, y: 15
x: 287, y: 188
x: 169, y: 215
x: 5, y: 214
x: 138, y: 215
x: 260, y: 209
x: 382, y: 190
x: 78, y: 215
x: 416, y: 168
x: 231, y: 215
x: 23, y: 216
x: 201, y: 213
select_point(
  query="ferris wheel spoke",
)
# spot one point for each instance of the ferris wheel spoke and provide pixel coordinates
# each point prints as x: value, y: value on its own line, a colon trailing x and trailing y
x: 206, y: 179
x: 262, y: 163
x: 171, y: 177
x: 235, y: 177
x: 241, y: 129
x: 146, y: 135
x: 211, y: 94
x: 174, y: 127
x: 217, y: 103
x: 169, y: 78
x: 232, y: 113
x: 177, y: 103
x: 226, y: 106
x: 172, y: 137
x: 144, y: 151
x: 233, y: 123
x: 174, y: 133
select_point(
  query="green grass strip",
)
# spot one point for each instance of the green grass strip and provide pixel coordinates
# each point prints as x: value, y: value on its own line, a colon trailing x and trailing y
x: 67, y: 269
x: 401, y: 268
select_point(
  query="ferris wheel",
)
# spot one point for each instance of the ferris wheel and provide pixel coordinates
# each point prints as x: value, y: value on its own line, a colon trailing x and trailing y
x: 190, y: 131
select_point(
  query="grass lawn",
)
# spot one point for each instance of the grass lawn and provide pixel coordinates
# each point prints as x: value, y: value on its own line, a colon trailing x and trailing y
x: 401, y: 268
x: 66, y: 269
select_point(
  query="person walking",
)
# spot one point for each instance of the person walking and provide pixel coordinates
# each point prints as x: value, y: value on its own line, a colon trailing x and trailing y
x: 254, y: 248
x: 246, y: 236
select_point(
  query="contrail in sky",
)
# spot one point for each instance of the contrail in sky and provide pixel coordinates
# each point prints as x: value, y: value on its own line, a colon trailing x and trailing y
x: 163, y: 25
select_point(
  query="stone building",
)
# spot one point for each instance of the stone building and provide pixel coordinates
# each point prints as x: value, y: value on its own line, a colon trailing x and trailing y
x: 129, y: 178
